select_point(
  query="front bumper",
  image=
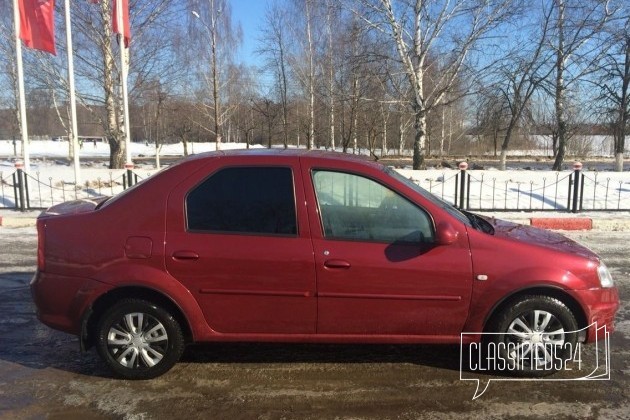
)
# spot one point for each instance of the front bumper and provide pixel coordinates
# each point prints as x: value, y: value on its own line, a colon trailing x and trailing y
x: 600, y: 306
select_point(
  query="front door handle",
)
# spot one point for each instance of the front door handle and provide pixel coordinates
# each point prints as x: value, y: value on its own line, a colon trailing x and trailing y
x: 185, y: 255
x: 337, y: 264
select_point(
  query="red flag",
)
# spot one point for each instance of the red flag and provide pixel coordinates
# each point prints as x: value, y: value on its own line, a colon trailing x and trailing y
x: 126, y: 33
x: 37, y: 24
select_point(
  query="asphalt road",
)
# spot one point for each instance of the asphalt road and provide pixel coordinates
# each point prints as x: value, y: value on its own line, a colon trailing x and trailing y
x: 44, y: 375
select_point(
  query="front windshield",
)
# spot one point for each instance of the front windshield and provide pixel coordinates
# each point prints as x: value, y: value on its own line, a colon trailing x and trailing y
x: 429, y: 196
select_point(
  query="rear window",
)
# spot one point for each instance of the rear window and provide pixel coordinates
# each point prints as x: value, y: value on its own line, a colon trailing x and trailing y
x: 247, y: 200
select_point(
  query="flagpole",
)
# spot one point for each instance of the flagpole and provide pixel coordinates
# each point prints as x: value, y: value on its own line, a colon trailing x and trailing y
x: 123, y: 78
x: 20, y: 76
x: 73, y: 102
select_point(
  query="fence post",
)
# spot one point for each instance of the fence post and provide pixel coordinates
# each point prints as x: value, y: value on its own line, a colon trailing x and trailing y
x: 577, y: 167
x: 129, y: 168
x: 462, y: 186
x: 20, y: 202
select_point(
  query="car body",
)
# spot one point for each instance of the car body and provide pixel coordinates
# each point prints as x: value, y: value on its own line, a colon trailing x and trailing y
x: 299, y: 246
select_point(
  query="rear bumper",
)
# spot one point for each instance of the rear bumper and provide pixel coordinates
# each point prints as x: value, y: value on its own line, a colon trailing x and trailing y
x: 62, y: 300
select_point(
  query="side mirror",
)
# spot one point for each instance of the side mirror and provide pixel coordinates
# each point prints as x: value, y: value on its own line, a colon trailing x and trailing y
x: 445, y: 234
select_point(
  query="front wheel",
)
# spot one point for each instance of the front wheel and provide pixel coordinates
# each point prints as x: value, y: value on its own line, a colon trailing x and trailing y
x: 534, y: 335
x: 139, y: 339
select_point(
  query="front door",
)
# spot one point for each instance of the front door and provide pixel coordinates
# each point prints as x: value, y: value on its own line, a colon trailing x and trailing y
x: 379, y: 270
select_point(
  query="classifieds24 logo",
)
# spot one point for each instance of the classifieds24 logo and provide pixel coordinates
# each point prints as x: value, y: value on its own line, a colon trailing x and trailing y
x: 533, y: 357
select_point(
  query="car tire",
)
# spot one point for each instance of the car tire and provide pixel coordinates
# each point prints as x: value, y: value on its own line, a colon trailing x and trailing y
x: 138, y: 339
x: 533, y: 336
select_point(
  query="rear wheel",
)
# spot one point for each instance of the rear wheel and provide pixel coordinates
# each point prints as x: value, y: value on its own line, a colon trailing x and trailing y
x: 535, y: 335
x: 139, y: 339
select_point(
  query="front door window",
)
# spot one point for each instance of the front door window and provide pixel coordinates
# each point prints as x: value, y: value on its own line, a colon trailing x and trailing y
x: 357, y: 208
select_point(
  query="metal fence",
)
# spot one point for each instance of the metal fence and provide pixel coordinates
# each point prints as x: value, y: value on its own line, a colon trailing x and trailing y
x: 573, y: 191
x: 24, y: 191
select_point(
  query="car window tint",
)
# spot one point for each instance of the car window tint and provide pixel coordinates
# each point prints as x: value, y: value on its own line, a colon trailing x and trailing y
x: 357, y: 208
x: 257, y: 200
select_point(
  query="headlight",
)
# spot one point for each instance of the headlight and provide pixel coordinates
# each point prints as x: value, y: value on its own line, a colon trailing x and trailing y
x: 605, y: 278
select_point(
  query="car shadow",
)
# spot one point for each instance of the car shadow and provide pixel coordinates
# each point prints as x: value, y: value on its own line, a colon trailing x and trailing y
x: 435, y: 356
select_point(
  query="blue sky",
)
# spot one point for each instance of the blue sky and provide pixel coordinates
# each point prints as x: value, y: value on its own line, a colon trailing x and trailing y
x: 250, y: 14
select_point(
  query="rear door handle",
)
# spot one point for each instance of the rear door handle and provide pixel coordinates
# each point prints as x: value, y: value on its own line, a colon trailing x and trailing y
x: 337, y: 264
x: 185, y: 255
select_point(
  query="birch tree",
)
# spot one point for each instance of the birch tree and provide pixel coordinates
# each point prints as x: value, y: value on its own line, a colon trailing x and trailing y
x: 332, y: 22
x: 575, y: 46
x: 97, y: 66
x: 418, y: 29
x: 213, y: 25
x: 303, y: 60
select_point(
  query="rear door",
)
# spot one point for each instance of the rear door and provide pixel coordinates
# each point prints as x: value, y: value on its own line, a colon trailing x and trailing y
x: 236, y: 238
x: 379, y: 270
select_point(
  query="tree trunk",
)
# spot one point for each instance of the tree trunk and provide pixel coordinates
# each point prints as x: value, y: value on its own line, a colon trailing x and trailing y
x: 113, y: 131
x: 116, y: 154
x: 354, y: 133
x: 311, y: 79
x: 620, y: 144
x: 420, y: 125
x: 215, y: 91
x: 561, y: 122
x: 619, y: 162
x: 384, y: 144
x: 443, y: 132
x: 401, y: 139
x: 505, y: 145
x: 503, y: 158
x: 331, y: 77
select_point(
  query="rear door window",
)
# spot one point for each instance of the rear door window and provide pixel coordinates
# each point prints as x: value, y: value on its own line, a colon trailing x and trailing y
x: 246, y: 200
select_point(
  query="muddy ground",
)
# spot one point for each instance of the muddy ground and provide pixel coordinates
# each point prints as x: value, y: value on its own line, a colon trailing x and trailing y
x: 44, y: 375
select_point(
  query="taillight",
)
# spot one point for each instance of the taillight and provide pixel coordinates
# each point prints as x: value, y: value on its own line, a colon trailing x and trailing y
x: 41, y: 241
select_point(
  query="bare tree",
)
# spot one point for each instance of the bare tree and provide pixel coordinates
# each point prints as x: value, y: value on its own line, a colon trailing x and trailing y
x: 215, y: 19
x: 421, y: 28
x: 276, y: 50
x: 574, y: 45
x: 305, y: 53
x: 269, y: 111
x: 8, y: 70
x: 332, y: 22
x: 180, y: 121
x: 614, y: 84
x: 350, y: 87
x: 522, y: 72
x: 98, y: 71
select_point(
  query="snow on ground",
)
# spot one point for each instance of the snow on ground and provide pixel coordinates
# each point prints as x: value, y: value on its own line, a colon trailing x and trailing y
x: 51, y: 179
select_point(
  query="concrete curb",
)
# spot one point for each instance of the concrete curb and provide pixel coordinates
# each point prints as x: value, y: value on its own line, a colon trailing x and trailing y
x: 15, y: 219
x: 17, y: 222
x: 564, y: 223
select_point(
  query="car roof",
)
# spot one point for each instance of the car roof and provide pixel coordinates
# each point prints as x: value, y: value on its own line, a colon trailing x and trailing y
x: 319, y: 154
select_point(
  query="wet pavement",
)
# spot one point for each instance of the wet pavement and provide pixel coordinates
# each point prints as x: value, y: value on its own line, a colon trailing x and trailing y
x: 44, y: 375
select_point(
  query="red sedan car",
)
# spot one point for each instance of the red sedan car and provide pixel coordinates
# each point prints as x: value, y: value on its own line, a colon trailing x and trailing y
x: 300, y: 246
